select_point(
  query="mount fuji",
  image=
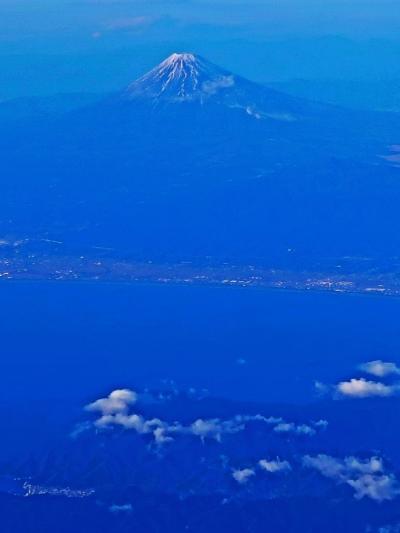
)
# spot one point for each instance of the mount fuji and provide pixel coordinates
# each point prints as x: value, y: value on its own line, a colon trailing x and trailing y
x: 189, y: 78
x: 191, y: 160
x: 194, y: 101
x: 181, y: 77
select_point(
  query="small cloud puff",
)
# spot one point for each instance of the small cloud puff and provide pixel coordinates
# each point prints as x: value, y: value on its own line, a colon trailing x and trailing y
x: 300, y: 429
x: 243, y: 475
x: 282, y: 426
x: 380, y: 368
x: 213, y: 86
x: 274, y: 466
x: 290, y: 427
x: 134, y: 421
x: 366, y: 477
x: 118, y: 401
x: 362, y: 388
x: 215, y: 428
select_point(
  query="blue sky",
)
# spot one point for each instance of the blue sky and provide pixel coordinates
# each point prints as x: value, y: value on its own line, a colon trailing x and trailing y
x: 22, y: 19
x: 49, y: 46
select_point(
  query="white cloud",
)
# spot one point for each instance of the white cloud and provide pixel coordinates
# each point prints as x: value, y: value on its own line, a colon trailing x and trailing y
x: 274, y: 466
x: 161, y: 435
x: 243, y: 475
x: 328, y: 466
x: 366, y: 477
x: 370, y: 466
x: 377, y: 488
x: 114, y: 410
x: 213, y: 86
x: 215, y: 428
x: 118, y: 401
x: 380, y: 368
x: 322, y: 424
x: 362, y: 388
x: 282, y: 426
x: 272, y: 420
x: 337, y: 468
x: 290, y: 427
x: 136, y: 422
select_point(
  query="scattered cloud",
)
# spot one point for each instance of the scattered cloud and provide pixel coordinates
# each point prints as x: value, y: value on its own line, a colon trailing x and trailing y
x: 282, y: 426
x: 215, y: 428
x: 380, y: 368
x: 377, y: 488
x: 274, y: 466
x: 243, y: 475
x: 362, y: 388
x: 300, y: 429
x: 163, y: 432
x: 321, y: 424
x: 213, y: 86
x: 133, y: 421
x: 114, y: 411
x: 290, y: 427
x: 118, y: 401
x: 366, y: 477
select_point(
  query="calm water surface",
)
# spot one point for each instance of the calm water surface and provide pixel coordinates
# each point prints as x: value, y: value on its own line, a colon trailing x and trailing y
x: 65, y: 343
x: 71, y: 340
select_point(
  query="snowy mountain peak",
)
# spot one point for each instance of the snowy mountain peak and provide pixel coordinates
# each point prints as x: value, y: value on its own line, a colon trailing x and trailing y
x: 181, y: 77
x: 189, y: 78
x: 180, y: 59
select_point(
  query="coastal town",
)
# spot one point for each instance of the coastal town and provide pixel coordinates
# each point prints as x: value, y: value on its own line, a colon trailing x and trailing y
x: 16, y: 264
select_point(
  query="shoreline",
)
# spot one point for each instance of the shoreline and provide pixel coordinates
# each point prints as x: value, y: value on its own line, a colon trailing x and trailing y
x: 193, y: 284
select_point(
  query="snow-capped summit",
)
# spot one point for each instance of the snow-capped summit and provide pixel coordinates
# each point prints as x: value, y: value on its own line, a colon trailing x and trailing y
x: 181, y: 77
x: 189, y: 78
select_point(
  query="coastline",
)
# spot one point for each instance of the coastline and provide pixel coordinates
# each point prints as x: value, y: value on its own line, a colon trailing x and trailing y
x: 214, y: 285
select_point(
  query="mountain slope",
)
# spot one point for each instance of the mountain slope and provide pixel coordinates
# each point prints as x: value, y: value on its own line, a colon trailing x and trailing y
x: 192, y: 161
x: 189, y: 78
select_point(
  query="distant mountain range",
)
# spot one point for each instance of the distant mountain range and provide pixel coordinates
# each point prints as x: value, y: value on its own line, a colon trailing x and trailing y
x: 191, y: 161
x: 116, y: 479
x: 382, y: 95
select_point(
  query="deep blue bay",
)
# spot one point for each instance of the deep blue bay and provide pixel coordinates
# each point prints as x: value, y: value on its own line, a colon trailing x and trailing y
x: 64, y: 344
x: 256, y: 352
